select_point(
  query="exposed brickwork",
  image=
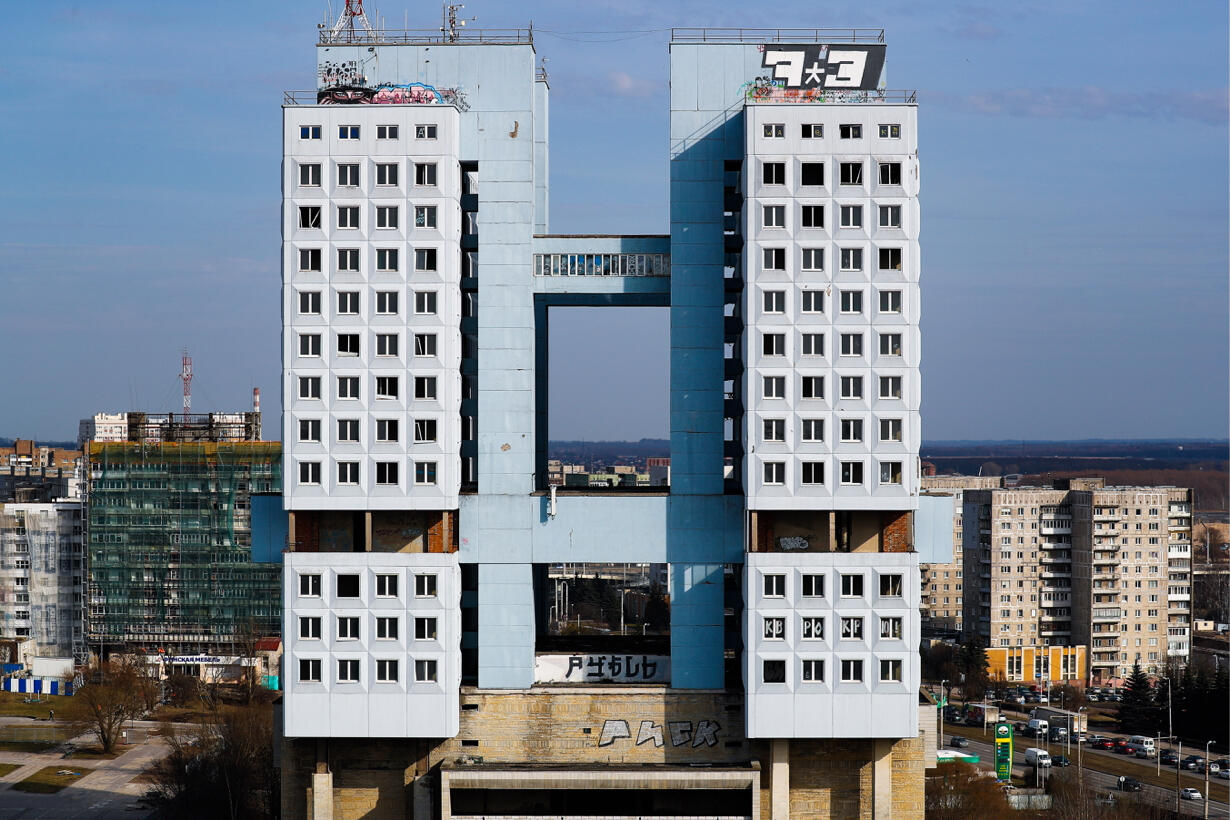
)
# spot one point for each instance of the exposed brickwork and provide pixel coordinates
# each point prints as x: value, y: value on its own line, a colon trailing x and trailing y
x: 897, y: 532
x: 908, y: 766
x: 831, y: 779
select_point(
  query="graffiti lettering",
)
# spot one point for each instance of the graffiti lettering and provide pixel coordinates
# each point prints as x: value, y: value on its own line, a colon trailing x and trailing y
x: 649, y: 731
x: 792, y: 542
x: 356, y: 92
x: 706, y: 733
x: 817, y: 66
x: 601, y: 669
x: 612, y: 730
x: 680, y: 732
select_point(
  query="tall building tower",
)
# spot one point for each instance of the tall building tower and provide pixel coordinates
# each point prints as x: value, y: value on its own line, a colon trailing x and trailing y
x: 465, y: 637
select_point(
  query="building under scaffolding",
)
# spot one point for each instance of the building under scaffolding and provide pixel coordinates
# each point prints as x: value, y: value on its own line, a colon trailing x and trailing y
x: 170, y: 545
x: 157, y: 427
x: 41, y: 570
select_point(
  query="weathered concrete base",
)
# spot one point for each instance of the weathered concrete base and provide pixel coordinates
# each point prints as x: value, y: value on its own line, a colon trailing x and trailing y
x: 322, y: 796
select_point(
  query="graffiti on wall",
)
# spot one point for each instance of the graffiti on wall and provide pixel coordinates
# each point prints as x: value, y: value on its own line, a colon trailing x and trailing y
x: 821, y: 66
x: 680, y: 733
x: 392, y: 94
x: 345, y: 73
x: 793, y: 542
x: 766, y: 89
x: 601, y: 668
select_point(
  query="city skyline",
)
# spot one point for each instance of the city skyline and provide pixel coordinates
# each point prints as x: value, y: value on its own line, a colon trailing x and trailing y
x: 170, y: 201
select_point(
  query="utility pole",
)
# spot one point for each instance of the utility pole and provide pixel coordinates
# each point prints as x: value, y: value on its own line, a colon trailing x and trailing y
x: 1080, y: 771
x: 1206, y: 779
x: 1178, y: 772
x: 943, y: 703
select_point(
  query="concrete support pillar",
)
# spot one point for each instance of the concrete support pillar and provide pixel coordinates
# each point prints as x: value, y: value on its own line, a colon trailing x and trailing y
x: 779, y: 780
x: 882, y: 780
x: 832, y: 531
x: 367, y: 532
x: 290, y: 531
x: 322, y: 796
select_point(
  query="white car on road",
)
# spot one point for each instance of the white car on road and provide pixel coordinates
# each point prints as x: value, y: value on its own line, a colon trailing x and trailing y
x: 1191, y: 794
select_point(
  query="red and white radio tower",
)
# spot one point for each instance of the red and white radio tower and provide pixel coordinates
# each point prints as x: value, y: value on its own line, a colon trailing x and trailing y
x: 185, y: 375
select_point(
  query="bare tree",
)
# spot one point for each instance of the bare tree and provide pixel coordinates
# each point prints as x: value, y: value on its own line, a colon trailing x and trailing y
x: 109, y: 696
x: 964, y: 792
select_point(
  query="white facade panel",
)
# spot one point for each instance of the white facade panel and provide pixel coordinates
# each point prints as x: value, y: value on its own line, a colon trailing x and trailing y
x: 781, y: 615
x: 371, y: 307
x: 841, y: 374
x: 386, y: 688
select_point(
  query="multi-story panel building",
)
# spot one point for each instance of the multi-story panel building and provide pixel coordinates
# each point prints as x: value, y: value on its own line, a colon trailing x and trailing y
x: 452, y: 594
x: 942, y: 596
x: 41, y: 572
x: 1081, y: 564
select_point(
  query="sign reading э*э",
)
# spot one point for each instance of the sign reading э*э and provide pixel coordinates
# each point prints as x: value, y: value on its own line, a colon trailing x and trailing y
x: 817, y: 65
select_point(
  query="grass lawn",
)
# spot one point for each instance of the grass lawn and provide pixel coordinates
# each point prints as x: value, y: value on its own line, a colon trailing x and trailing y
x: 26, y: 748
x: 51, y: 779
x: 96, y: 753
x: 11, y: 703
x: 8, y: 768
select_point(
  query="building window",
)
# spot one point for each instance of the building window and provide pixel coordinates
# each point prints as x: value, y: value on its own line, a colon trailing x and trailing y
x: 890, y: 628
x: 309, y: 472
x: 890, y: 430
x: 890, y: 344
x: 813, y: 131
x: 386, y: 430
x: 424, y: 586
x: 774, y: 585
x: 309, y: 430
x: 774, y: 472
x: 386, y: 344
x: 851, y: 216
x: 424, y: 629
x: 425, y: 302
x: 386, y: 671
x: 348, y: 472
x: 813, y: 259
x: 309, y: 585
x: 890, y: 131
x: 890, y: 670
x: 773, y: 672
x: 425, y: 216
x: 425, y: 259
x: 890, y: 216
x: 348, y: 671
x: 347, y: 628
x: 309, y: 132
x: 386, y: 132
x: 309, y: 387
x: 774, y: 216
x: 348, y: 430
x: 773, y: 344
x: 309, y: 260
x: 774, y: 258
x: 851, y: 586
x: 851, y: 259
x: 348, y: 262
x: 851, y: 430
x: 386, y: 216
x: 386, y: 587
x: 851, y: 173
x: 425, y: 387
x: 851, y: 629
x: 851, y: 670
x: 813, y: 387
x: 348, y: 216
x: 890, y: 258
x: 309, y: 629
x: 851, y: 387
x: 386, y: 173
x: 813, y: 671
x: 850, y: 132
x: 774, y: 387
x: 348, y: 132
x: 813, y: 472
x: 774, y: 429
x: 386, y: 260
x: 425, y: 472
x: 425, y: 173
x: 812, y: 173
x: 813, y: 216
x: 813, y: 344
x: 424, y: 431
x: 426, y: 131
x: 851, y: 472
x: 386, y: 472
x: 890, y: 173
x: 425, y: 671
x: 890, y: 586
x: 309, y: 175
x: 890, y: 387
x: 309, y: 344
x: 348, y: 175
x: 813, y: 430
x: 775, y: 629
x: 309, y: 302
x: 890, y: 301
x: 348, y: 344
x: 852, y: 344
x: 773, y: 301
x: 813, y: 587
x: 309, y: 670
x: 387, y: 387
x: 386, y: 302
x: 773, y: 173
x: 851, y: 301
x: 774, y: 130
x: 347, y: 585
x: 309, y: 216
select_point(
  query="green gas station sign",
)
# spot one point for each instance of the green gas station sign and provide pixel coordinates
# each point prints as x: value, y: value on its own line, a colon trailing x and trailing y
x: 1003, y: 751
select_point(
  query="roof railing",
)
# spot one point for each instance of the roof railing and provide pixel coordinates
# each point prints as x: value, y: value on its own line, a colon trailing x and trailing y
x: 502, y: 36
x: 777, y: 35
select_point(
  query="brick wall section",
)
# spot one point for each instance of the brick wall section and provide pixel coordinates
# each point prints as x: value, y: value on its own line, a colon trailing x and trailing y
x: 897, y: 532
x: 831, y: 779
x: 908, y: 765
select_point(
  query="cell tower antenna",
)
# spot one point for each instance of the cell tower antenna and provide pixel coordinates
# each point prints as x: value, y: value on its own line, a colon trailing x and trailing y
x: 185, y: 376
x: 451, y: 23
x: 345, y: 31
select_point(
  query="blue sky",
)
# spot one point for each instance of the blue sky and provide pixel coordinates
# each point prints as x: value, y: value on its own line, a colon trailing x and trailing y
x: 1074, y: 199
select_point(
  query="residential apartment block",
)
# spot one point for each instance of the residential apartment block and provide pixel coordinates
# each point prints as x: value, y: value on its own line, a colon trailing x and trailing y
x: 1081, y: 564
x: 465, y: 637
x: 941, y: 601
x: 42, y: 567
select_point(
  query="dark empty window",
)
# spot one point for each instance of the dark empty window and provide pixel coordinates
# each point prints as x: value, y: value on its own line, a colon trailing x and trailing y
x: 774, y: 672
x: 348, y: 586
x: 813, y: 173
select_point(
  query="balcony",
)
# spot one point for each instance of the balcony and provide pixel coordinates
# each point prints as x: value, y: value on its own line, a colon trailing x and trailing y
x: 1056, y: 529
x: 1055, y: 572
x: 1107, y: 614
x: 1104, y: 576
x: 1107, y: 516
x: 1055, y: 632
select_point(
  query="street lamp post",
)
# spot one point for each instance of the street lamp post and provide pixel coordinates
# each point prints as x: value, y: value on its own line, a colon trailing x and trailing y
x: 1080, y: 771
x: 1206, y: 779
x: 1178, y: 772
x: 943, y: 703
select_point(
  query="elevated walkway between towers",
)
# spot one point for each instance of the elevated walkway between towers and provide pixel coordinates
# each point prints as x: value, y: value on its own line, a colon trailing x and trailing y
x: 598, y: 264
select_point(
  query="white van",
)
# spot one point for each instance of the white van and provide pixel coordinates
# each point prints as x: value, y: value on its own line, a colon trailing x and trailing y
x: 1038, y: 758
x: 1140, y: 743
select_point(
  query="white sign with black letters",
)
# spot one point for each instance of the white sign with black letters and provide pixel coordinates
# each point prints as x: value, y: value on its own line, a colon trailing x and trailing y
x: 612, y: 668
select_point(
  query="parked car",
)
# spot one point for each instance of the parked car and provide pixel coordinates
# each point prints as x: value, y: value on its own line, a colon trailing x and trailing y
x: 1093, y: 697
x: 1042, y: 698
x: 958, y: 742
x: 1019, y: 727
x: 1211, y: 766
x: 1191, y: 794
x: 1144, y: 754
x: 1192, y: 762
x: 1105, y: 743
x: 1122, y: 747
x: 1224, y: 774
x: 1038, y: 758
x: 1130, y: 784
x: 1092, y: 739
x: 1060, y: 760
x: 1169, y: 759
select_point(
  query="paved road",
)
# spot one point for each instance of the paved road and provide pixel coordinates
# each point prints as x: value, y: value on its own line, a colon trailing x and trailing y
x: 1103, y: 780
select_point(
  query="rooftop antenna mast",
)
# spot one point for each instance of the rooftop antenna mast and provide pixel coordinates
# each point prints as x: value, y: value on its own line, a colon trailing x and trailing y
x: 185, y: 376
x: 450, y: 23
x: 344, y: 30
